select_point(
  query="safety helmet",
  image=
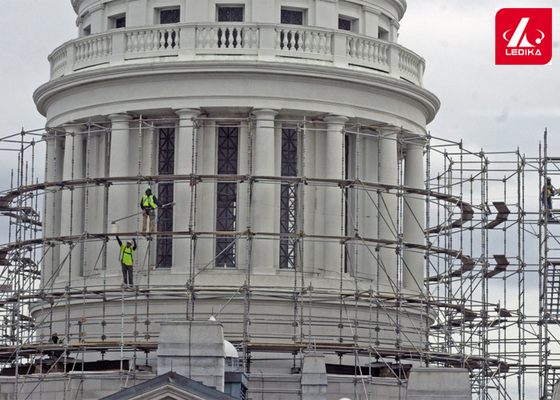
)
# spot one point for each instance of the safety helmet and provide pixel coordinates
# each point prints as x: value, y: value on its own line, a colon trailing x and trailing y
x: 129, y: 242
x: 548, y: 179
x: 148, y: 191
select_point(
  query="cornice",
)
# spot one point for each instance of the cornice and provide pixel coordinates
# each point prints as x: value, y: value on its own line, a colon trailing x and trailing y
x: 423, y: 98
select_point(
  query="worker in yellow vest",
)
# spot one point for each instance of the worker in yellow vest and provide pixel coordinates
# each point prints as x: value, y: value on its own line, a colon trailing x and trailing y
x: 149, y: 205
x: 127, y: 259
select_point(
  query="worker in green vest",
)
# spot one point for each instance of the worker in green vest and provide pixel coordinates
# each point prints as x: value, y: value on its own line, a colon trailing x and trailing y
x: 149, y: 205
x: 127, y: 251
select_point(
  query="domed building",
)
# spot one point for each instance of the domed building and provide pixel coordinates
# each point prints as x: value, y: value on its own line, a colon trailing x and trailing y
x: 284, y: 141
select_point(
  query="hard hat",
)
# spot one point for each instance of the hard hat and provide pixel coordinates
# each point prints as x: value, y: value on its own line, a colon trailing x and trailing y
x: 548, y: 178
x: 128, y: 242
x: 148, y: 191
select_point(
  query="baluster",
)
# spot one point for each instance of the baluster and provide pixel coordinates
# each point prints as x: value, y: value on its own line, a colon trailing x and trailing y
x: 237, y: 38
x: 328, y: 43
x: 177, y: 41
x: 128, y: 42
x: 104, y: 46
x: 227, y: 38
x: 200, y: 42
x: 386, y: 55
x: 134, y: 42
x: 278, y: 43
x: 78, y: 48
x: 213, y: 36
x: 349, y: 47
x: 293, y: 41
x: 205, y: 38
x: 94, y: 48
x: 308, y: 38
x: 254, y: 38
x: 244, y: 37
x: 360, y: 49
x: 88, y: 50
x: 315, y: 44
x: 324, y: 44
x: 142, y: 39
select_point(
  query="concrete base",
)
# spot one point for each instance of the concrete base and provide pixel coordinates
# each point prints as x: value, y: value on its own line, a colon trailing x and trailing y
x: 439, y: 383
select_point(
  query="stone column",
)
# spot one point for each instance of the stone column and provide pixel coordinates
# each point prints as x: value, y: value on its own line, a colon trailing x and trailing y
x: 334, y: 169
x: 53, y: 203
x: 206, y: 195
x: 413, y: 218
x: 119, y: 205
x: 183, y: 190
x: 194, y: 349
x: 72, y: 208
x: 263, y: 210
x: 368, y: 206
x: 387, y: 225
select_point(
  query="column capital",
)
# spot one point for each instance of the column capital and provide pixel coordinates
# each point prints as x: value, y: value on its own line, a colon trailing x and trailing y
x: 265, y: 112
x: 335, y: 119
x: 72, y: 128
x: 122, y: 117
x: 187, y: 113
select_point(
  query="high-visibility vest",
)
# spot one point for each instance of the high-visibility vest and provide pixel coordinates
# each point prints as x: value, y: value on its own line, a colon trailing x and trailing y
x: 548, y: 191
x: 58, y: 341
x: 148, y: 201
x: 126, y: 254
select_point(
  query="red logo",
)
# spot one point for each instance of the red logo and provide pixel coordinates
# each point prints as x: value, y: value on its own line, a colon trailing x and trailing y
x: 523, y: 36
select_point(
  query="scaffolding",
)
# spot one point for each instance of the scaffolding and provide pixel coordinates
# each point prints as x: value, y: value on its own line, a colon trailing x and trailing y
x: 476, y: 309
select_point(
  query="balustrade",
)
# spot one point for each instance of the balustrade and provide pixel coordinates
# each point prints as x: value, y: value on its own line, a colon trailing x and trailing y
x: 227, y: 37
x: 94, y: 48
x: 189, y: 41
x: 150, y: 40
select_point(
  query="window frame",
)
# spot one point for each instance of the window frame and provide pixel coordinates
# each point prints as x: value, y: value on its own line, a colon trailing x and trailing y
x: 114, y: 19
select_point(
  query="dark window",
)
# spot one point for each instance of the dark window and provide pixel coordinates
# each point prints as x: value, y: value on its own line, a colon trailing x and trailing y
x: 120, y: 22
x: 170, y: 16
x: 288, y: 198
x: 87, y: 30
x: 226, y: 204
x: 166, y: 166
x: 230, y: 14
x: 291, y: 17
x: 344, y: 24
x: 382, y: 34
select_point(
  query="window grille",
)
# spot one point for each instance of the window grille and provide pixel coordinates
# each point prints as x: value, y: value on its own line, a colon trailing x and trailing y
x: 172, y: 16
x: 226, y: 204
x: 344, y: 24
x: 230, y: 14
x: 288, y: 199
x: 166, y: 166
x: 291, y: 17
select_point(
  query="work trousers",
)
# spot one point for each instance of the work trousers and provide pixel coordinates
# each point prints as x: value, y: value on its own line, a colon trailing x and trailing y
x: 149, y: 213
x: 127, y: 274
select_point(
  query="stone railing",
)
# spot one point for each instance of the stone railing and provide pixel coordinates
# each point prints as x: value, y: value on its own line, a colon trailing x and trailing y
x: 262, y: 42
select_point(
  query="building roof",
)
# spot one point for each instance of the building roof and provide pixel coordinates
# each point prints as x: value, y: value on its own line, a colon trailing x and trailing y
x: 170, y: 386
